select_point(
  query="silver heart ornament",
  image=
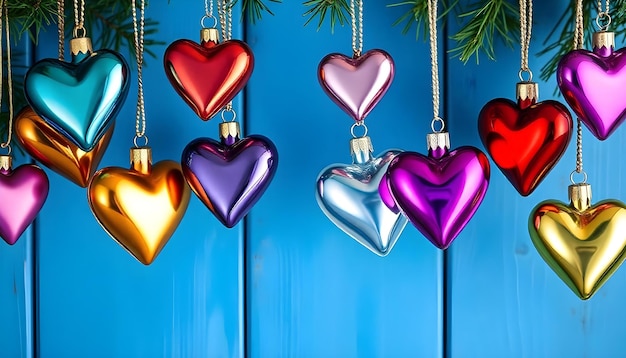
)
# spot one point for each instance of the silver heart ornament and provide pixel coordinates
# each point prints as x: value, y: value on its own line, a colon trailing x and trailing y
x: 348, y: 195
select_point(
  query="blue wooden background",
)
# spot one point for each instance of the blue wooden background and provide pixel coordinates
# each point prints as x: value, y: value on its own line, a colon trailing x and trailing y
x: 286, y: 282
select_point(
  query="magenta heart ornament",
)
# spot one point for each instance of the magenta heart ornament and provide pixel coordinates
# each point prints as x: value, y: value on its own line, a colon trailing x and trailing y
x: 590, y: 82
x: 23, y: 191
x: 230, y: 176
x: 438, y: 193
x: 356, y: 85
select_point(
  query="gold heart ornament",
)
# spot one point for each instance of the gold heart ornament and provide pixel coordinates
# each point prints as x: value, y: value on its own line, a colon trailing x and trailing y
x: 141, y: 207
x: 52, y: 149
x: 583, y: 244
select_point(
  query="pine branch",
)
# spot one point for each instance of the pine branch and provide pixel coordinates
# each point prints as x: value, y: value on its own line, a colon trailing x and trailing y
x: 337, y: 11
x: 418, y: 14
x: 254, y: 9
x: 488, y: 21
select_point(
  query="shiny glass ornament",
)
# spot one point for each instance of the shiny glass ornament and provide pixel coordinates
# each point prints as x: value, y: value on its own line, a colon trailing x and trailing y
x: 141, y: 207
x: 23, y: 191
x: 348, y: 195
x: 55, y: 151
x: 80, y: 99
x: 229, y: 176
x: 525, y: 139
x: 584, y: 244
x: 590, y: 82
x: 438, y: 193
x: 356, y: 84
x: 210, y: 74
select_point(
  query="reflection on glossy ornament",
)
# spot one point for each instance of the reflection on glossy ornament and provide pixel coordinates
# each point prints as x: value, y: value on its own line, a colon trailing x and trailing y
x: 525, y: 139
x: 439, y: 193
x: 208, y: 75
x: 141, y: 207
x: 590, y: 82
x: 584, y: 244
x: 55, y: 151
x: 229, y: 176
x: 348, y: 195
x: 23, y: 192
x: 357, y: 84
x: 79, y: 99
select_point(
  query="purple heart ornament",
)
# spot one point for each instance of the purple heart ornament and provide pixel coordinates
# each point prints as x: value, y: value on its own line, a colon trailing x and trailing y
x: 356, y: 85
x: 439, y: 193
x: 23, y: 192
x: 589, y: 82
x: 230, y: 176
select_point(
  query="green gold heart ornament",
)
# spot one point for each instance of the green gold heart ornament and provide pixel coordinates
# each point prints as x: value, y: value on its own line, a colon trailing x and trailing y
x: 583, y: 243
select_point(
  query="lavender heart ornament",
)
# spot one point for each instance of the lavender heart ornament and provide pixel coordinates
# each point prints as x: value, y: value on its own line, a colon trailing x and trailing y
x: 439, y: 193
x: 357, y: 84
x: 590, y: 82
x: 23, y: 192
x: 229, y: 176
x: 348, y: 195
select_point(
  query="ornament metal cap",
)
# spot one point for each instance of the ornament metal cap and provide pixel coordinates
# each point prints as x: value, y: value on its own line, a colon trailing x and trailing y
x: 5, y: 162
x: 80, y: 45
x: 580, y: 196
x: 527, y: 91
x: 229, y: 129
x: 435, y: 141
x: 361, y: 149
x: 141, y: 159
x: 209, y: 34
x: 603, y: 39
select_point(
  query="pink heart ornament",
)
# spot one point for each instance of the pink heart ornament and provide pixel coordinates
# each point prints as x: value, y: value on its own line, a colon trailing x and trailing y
x: 23, y: 192
x: 356, y: 85
x: 438, y: 193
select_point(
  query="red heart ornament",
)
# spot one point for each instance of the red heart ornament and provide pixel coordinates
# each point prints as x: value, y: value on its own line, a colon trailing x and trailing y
x: 208, y: 75
x: 525, y: 139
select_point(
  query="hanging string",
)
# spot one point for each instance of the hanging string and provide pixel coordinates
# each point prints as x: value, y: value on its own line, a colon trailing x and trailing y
x: 225, y: 13
x: 79, y: 19
x: 603, y: 20
x: 208, y: 13
x: 579, y: 39
x: 357, y: 29
x: 138, y: 30
x: 4, y: 18
x: 526, y: 26
x: 434, y: 64
x: 61, y: 28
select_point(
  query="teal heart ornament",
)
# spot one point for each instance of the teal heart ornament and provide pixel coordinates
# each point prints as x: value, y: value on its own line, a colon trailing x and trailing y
x: 81, y: 98
x: 348, y: 195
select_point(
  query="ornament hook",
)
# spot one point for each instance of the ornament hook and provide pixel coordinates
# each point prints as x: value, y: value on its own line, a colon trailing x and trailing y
x: 358, y: 124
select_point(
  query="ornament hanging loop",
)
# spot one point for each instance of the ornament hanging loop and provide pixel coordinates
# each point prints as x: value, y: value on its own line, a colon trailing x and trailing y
x: 6, y: 146
x: 521, y: 73
x: 208, y: 14
x: 208, y: 17
x: 603, y: 21
x: 145, y: 141
x: 79, y: 32
x: 228, y: 109
x: 434, y: 122
x: 358, y: 124
x: 574, y: 172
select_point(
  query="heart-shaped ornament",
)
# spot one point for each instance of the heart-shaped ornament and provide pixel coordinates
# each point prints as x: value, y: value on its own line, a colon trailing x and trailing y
x: 208, y: 75
x: 23, y: 191
x: 79, y: 99
x: 589, y: 82
x: 583, y: 244
x: 348, y: 195
x: 141, y: 207
x: 356, y: 85
x: 525, y: 139
x: 229, y: 176
x: 439, y: 193
x: 47, y: 146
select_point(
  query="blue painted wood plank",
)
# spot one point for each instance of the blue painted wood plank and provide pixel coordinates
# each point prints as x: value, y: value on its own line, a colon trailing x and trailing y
x: 312, y: 290
x: 504, y: 300
x: 17, y: 332
x: 98, y: 301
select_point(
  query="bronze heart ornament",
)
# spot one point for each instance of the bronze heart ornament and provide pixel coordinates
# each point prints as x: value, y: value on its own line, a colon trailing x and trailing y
x: 141, y: 207
x: 583, y: 243
x: 46, y: 145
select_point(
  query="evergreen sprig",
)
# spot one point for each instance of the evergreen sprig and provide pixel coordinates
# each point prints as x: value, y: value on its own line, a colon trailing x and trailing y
x: 337, y: 11
x: 418, y: 14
